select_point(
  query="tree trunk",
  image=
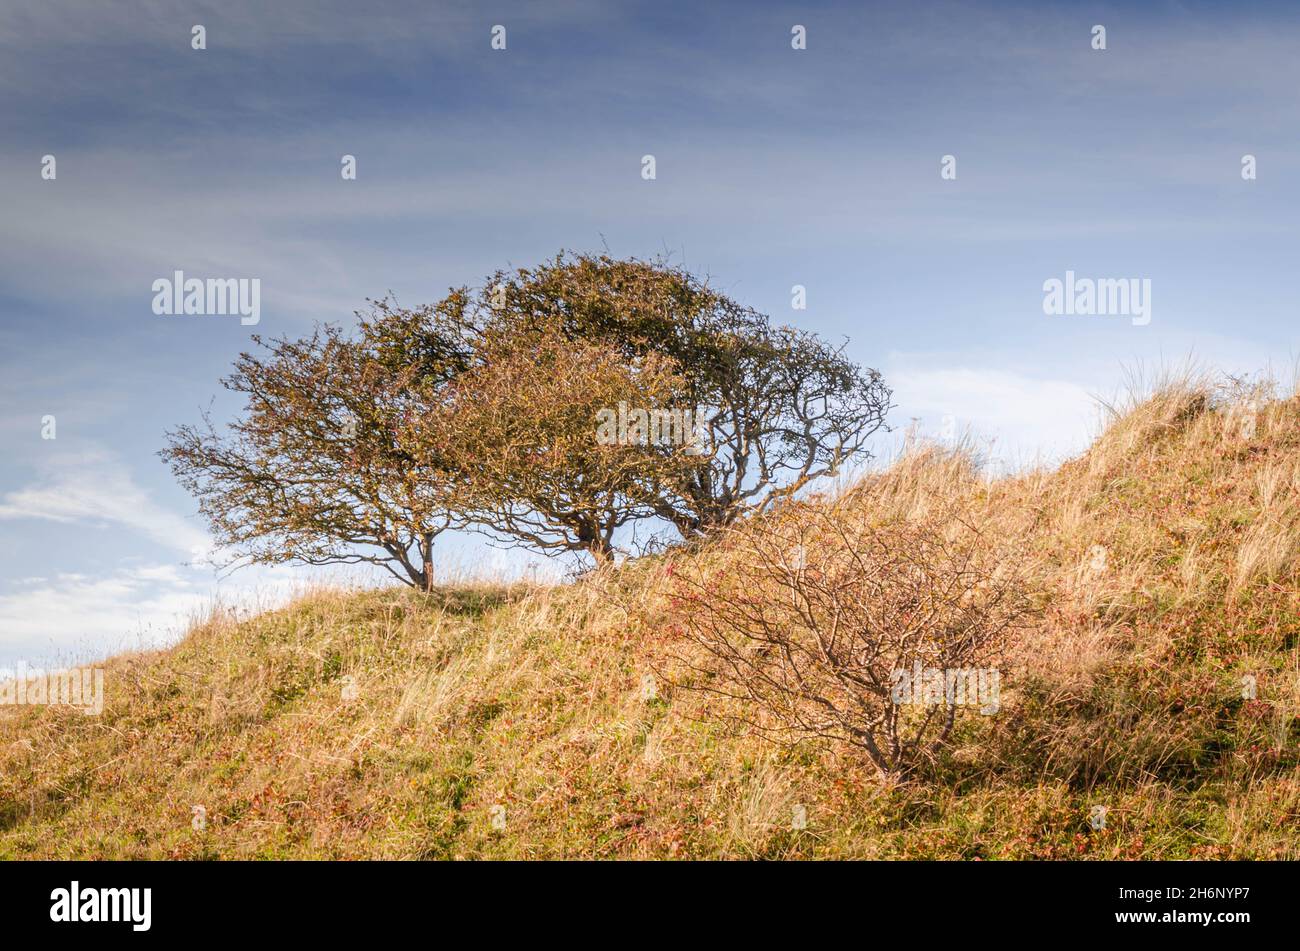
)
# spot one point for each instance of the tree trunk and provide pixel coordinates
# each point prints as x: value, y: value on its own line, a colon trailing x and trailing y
x: 427, y: 551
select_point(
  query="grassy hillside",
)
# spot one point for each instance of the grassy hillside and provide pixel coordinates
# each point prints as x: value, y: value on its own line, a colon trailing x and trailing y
x: 1123, y: 689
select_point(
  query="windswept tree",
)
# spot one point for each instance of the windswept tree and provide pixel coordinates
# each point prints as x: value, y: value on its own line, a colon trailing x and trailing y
x: 779, y: 407
x: 485, y: 409
x: 322, y: 467
x: 524, y: 425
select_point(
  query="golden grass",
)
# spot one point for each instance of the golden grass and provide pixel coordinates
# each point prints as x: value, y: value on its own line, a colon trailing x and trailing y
x: 1163, y: 564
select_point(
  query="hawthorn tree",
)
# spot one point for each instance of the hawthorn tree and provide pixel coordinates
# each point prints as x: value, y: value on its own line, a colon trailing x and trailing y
x: 323, y: 466
x: 483, y: 410
x: 522, y: 425
x: 779, y: 407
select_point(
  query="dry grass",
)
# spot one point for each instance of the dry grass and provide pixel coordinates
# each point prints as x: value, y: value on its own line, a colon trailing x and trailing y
x: 1163, y: 566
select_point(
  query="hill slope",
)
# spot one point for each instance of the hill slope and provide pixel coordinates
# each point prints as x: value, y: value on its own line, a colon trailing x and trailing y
x: 1124, y: 690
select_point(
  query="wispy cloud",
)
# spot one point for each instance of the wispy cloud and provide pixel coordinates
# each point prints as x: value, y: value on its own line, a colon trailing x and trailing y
x: 94, y: 486
x: 73, y: 617
x: 1017, y: 419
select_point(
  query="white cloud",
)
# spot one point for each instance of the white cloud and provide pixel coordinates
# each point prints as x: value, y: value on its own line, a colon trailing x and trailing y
x: 64, y: 616
x: 94, y: 486
x: 75, y: 617
x: 72, y: 618
x: 1016, y: 418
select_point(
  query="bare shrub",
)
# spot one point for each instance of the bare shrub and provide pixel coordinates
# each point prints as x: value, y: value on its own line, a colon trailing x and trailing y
x: 809, y: 616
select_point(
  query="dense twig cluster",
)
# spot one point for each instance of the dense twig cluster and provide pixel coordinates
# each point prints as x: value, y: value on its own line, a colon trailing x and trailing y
x: 817, y: 613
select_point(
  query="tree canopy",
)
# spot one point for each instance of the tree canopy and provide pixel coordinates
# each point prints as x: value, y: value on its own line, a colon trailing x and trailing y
x: 550, y: 407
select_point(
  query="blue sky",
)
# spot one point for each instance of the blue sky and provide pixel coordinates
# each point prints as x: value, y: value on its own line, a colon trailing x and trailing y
x: 775, y: 167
